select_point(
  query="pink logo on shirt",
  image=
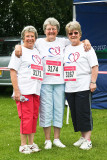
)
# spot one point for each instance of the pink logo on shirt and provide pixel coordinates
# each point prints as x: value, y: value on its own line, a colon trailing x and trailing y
x: 73, y: 57
x: 36, y: 59
x: 54, y: 51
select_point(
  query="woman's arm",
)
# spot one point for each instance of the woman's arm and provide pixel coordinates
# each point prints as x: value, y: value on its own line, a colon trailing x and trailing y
x: 94, y: 75
x: 17, y: 93
x: 86, y: 42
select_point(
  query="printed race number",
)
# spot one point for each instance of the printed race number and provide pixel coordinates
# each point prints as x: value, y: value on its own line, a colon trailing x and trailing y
x: 53, y: 68
x: 69, y: 73
x: 37, y: 72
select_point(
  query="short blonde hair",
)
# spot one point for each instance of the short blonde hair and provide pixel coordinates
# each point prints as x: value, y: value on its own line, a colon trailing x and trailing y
x: 29, y: 29
x: 52, y: 21
x: 73, y: 25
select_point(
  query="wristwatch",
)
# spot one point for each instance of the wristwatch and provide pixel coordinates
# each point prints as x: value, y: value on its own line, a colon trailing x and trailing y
x: 93, y: 82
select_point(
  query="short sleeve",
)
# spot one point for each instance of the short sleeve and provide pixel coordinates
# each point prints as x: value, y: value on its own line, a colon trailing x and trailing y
x: 14, y: 62
x: 92, y: 58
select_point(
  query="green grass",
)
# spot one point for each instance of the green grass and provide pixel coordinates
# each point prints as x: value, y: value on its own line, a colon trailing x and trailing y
x: 10, y: 137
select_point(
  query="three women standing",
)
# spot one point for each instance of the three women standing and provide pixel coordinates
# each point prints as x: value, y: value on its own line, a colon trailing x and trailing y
x: 52, y: 96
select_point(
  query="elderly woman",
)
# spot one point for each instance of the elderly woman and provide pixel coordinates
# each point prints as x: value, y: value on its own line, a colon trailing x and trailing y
x: 28, y: 84
x: 80, y: 74
x: 52, y: 97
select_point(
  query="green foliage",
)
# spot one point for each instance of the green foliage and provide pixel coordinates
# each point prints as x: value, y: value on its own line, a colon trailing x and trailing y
x: 16, y: 14
x: 101, y: 54
x: 10, y: 137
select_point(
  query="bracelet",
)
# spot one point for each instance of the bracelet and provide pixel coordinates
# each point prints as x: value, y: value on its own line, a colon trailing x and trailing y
x: 93, y: 82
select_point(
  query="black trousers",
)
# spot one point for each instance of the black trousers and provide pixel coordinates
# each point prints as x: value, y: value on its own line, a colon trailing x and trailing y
x: 80, y: 107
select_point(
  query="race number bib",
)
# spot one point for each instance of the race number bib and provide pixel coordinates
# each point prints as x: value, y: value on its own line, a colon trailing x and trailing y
x: 69, y: 73
x: 37, y: 72
x: 53, y: 68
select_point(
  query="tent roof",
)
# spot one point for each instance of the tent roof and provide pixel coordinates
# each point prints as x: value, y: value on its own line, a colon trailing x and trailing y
x: 88, y: 1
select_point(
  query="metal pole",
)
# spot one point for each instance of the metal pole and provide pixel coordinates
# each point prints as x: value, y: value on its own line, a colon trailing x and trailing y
x: 74, y: 13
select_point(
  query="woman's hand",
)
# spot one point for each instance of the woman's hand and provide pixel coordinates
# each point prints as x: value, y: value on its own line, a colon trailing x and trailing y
x: 18, y: 51
x: 93, y: 87
x: 87, y: 45
x: 17, y: 95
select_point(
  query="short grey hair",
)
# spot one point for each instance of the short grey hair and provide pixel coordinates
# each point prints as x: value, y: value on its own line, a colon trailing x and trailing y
x: 29, y: 29
x: 52, y: 21
x: 73, y: 25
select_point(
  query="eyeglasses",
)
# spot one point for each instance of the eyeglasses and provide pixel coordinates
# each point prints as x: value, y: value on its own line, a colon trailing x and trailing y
x: 73, y: 33
x: 49, y: 29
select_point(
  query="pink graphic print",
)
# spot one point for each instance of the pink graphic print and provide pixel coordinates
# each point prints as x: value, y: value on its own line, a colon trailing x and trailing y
x: 73, y: 57
x: 54, y: 51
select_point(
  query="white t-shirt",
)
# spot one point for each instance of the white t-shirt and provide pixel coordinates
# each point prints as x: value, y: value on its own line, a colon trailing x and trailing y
x: 83, y: 62
x: 52, y: 56
x: 23, y: 67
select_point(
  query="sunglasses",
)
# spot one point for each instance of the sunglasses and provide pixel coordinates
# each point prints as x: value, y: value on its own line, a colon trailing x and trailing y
x: 73, y: 33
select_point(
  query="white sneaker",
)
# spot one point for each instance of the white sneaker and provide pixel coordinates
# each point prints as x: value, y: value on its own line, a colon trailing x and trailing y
x: 48, y: 144
x: 34, y: 148
x: 86, y: 145
x: 25, y: 149
x: 79, y: 142
x: 58, y: 143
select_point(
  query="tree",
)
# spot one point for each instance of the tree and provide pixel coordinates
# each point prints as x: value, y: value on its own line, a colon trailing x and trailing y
x: 5, y: 16
x: 16, y: 14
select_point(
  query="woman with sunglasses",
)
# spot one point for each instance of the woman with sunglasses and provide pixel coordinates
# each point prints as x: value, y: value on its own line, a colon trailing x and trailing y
x: 80, y: 74
x: 52, y: 96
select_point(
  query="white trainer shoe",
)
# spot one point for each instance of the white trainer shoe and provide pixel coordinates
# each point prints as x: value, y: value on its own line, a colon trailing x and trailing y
x: 25, y: 149
x: 86, y: 145
x: 58, y: 143
x: 34, y: 148
x: 48, y: 144
x: 79, y: 142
